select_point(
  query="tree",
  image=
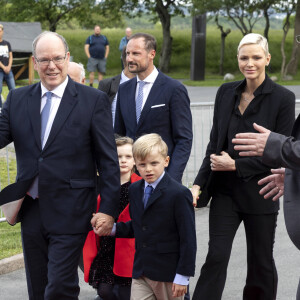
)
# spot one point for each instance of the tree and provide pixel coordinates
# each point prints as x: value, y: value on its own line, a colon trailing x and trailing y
x: 51, y: 11
x: 288, y: 8
x: 242, y: 13
x: 291, y: 67
x: 162, y: 10
x: 267, y: 8
x: 223, y: 37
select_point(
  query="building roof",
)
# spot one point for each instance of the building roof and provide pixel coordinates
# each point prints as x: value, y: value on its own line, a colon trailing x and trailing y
x: 20, y: 35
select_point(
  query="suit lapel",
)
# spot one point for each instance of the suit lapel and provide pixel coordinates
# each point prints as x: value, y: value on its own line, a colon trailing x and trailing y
x: 224, y: 116
x: 34, y: 108
x: 115, y: 84
x: 158, y: 190
x: 129, y: 105
x: 68, y: 101
x: 153, y: 95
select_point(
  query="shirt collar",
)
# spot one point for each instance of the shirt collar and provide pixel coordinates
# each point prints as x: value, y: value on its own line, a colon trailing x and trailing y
x: 58, y: 91
x: 265, y: 88
x: 123, y: 76
x: 156, y: 182
x: 151, y: 77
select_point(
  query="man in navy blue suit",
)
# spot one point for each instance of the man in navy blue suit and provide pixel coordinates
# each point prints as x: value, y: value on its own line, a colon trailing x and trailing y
x: 154, y: 103
x: 63, y: 136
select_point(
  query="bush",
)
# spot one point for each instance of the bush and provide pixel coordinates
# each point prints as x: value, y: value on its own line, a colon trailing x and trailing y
x: 181, y: 49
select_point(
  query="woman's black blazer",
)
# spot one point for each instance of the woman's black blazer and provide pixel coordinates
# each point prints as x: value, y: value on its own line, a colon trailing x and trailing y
x: 274, y: 108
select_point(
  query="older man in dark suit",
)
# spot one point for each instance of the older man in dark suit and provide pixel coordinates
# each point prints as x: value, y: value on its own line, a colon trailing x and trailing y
x: 63, y: 135
x: 154, y: 103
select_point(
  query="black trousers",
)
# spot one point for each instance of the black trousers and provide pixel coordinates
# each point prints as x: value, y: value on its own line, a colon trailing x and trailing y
x: 51, y: 260
x: 261, y: 282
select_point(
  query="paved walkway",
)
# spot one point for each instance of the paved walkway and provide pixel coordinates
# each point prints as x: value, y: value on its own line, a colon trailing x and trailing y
x: 287, y: 258
x: 208, y: 93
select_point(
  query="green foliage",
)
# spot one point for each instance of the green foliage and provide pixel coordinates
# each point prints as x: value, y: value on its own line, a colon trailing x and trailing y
x: 10, y: 240
x: 49, y: 12
x: 181, y: 48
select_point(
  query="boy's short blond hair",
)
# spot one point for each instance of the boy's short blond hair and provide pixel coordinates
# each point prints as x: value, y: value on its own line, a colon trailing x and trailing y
x: 1, y: 26
x: 144, y: 145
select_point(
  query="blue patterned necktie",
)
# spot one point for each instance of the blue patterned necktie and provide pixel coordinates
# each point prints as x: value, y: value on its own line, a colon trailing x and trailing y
x: 34, y: 189
x: 45, y: 115
x: 139, y: 100
x: 147, y: 194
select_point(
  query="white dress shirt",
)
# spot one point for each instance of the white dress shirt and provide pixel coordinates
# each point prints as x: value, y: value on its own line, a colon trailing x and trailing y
x: 57, y: 94
x: 149, y: 80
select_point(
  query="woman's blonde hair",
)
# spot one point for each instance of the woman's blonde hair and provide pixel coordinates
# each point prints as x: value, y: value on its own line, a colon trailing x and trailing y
x: 254, y: 38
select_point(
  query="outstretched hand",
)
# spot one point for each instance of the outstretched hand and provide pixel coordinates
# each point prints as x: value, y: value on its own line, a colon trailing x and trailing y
x: 250, y: 143
x: 274, y: 184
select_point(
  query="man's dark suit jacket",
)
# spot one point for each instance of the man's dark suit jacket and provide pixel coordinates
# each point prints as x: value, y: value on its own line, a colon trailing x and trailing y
x: 282, y: 151
x: 110, y: 86
x: 166, y: 112
x: 164, y: 231
x: 81, y: 142
x: 273, y: 108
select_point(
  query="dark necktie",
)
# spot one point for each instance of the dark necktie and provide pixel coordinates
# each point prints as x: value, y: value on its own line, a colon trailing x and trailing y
x: 147, y: 194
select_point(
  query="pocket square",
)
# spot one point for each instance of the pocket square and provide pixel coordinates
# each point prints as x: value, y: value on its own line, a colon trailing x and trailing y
x: 158, y: 105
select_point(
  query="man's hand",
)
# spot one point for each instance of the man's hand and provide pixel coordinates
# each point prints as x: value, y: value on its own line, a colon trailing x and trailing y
x: 274, y: 184
x: 252, y: 144
x: 102, y: 224
x: 178, y: 290
x: 5, y: 69
x: 195, y: 190
x: 222, y: 162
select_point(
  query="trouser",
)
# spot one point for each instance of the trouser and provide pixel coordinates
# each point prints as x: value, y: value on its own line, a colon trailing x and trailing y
x: 144, y: 288
x: 9, y: 79
x: 261, y: 281
x: 51, y: 260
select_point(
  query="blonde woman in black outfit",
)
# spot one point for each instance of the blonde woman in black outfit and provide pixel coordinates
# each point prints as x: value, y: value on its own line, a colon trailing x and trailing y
x: 231, y: 180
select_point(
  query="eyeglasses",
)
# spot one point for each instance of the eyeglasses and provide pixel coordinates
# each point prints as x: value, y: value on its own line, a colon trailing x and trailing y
x: 56, y: 60
x: 298, y: 38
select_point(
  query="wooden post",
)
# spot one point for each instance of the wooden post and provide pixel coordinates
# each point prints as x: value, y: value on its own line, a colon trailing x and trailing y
x: 30, y: 70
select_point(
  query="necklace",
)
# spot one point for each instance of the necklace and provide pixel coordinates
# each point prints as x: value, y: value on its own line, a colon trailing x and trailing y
x: 247, y: 100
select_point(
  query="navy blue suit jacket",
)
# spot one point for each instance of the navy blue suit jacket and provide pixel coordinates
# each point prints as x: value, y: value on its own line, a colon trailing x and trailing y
x: 80, y: 143
x: 165, y: 237
x: 166, y: 112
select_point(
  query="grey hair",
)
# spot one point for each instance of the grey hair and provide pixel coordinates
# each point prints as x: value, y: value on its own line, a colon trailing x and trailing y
x: 254, y: 38
x: 82, y: 71
x: 48, y: 33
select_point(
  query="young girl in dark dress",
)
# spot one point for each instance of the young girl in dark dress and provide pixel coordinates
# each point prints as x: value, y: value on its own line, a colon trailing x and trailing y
x: 109, y: 261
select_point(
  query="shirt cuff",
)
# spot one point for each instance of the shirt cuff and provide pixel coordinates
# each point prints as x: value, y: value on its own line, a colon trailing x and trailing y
x: 181, y: 279
x: 114, y: 229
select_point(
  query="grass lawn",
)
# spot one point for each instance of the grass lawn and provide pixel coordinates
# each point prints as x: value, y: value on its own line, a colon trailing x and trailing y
x: 10, y: 240
x: 10, y: 236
